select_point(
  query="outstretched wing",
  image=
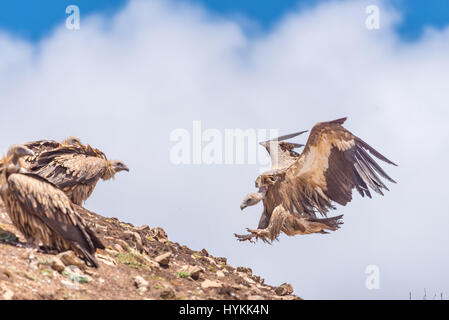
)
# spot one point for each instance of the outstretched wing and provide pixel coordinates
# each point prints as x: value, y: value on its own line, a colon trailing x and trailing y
x: 68, y: 167
x: 333, y: 162
x: 55, y: 213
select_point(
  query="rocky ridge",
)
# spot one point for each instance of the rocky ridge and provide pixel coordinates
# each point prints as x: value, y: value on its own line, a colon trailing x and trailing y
x: 138, y: 263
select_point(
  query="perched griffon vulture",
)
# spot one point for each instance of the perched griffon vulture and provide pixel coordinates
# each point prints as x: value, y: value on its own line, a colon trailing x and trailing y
x: 76, y: 169
x: 43, y: 213
x: 334, y: 162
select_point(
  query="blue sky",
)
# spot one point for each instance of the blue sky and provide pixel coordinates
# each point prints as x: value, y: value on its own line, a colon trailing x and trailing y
x: 32, y: 20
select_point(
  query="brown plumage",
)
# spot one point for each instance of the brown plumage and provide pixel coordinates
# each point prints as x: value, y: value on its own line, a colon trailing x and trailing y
x: 76, y: 169
x: 43, y: 213
x: 334, y: 162
x: 39, y: 146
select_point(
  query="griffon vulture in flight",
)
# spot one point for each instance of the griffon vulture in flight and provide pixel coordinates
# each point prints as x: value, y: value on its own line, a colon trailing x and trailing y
x: 43, y: 213
x: 76, y: 169
x: 334, y: 162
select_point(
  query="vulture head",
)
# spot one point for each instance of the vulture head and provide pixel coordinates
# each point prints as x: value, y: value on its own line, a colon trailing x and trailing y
x: 72, y: 141
x: 253, y: 198
x: 18, y: 151
x: 114, y: 166
x: 11, y: 163
x: 118, y: 166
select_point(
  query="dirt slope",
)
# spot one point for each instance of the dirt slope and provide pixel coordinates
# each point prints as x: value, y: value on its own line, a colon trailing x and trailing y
x: 138, y: 263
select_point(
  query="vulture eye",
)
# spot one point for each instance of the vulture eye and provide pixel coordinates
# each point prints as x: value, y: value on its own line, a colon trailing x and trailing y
x: 248, y: 201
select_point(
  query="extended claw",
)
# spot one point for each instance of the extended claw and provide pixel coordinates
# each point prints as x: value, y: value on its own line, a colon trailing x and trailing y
x: 245, y: 237
x: 260, y: 234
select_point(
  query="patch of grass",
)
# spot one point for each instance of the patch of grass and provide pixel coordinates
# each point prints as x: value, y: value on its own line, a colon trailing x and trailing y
x: 30, y: 276
x: 45, y: 261
x: 76, y: 277
x: 46, y: 272
x: 156, y: 278
x: 182, y: 274
x: 158, y: 287
x: 129, y: 259
x: 212, y: 268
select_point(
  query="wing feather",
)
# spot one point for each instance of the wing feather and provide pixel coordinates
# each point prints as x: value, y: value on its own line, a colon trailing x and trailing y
x: 69, y: 167
x: 53, y: 208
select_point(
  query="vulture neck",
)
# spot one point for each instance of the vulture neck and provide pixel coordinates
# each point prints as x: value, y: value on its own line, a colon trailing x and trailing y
x: 109, y: 173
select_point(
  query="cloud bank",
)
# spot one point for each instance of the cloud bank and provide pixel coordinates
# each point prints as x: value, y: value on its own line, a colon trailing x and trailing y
x: 123, y: 83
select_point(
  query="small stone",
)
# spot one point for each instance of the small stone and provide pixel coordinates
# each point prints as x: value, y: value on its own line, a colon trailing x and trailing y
x: 118, y: 247
x: 160, y: 235
x: 148, y: 261
x: 91, y: 273
x: 204, y: 252
x: 56, y: 264
x: 109, y: 252
x: 137, y: 239
x: 206, y: 284
x: 220, y: 274
x: 70, y: 285
x: 284, y: 289
x: 142, y: 290
x: 249, y: 280
x: 222, y: 260
x: 168, y: 294
x: 106, y: 260
x: 140, y: 282
x: 8, y: 294
x: 5, y: 272
x: 143, y: 228
x: 123, y: 244
x: 248, y: 271
x: 164, y: 259
x: 195, y: 272
x: 69, y: 258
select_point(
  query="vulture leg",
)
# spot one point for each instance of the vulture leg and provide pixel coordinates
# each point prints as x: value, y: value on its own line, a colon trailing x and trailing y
x: 273, y: 230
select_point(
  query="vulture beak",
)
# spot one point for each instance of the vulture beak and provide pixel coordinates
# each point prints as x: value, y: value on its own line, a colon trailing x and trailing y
x: 122, y: 167
x: 243, y: 206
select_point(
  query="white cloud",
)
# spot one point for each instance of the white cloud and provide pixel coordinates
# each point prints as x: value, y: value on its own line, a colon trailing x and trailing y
x: 124, y: 82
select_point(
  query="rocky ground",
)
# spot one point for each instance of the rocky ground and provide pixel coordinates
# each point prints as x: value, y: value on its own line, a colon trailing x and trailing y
x: 138, y: 263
